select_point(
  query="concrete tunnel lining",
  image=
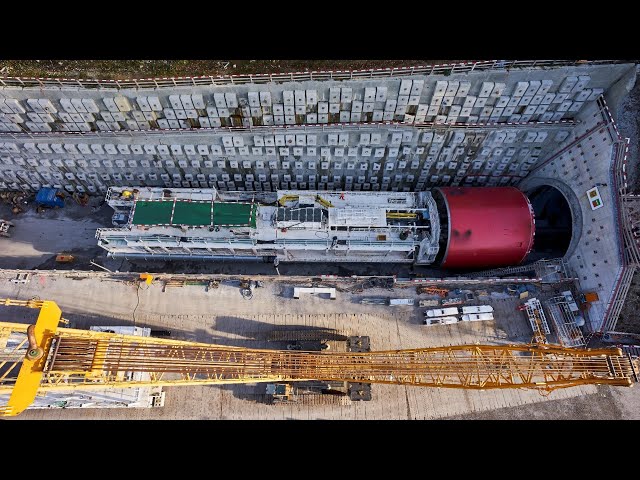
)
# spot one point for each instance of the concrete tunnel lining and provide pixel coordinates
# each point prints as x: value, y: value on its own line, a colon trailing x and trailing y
x: 529, y: 185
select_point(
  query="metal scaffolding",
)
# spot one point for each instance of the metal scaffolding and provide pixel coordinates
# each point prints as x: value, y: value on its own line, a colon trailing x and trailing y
x: 564, y: 321
x: 537, y: 319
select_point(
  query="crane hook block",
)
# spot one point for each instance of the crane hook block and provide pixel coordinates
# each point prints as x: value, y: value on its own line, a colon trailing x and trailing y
x: 34, y: 352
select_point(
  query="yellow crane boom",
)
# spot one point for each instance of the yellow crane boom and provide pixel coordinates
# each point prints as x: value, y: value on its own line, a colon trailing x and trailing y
x: 35, y: 360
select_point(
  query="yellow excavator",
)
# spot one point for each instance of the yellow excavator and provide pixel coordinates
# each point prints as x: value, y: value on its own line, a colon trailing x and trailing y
x: 287, y: 198
x: 325, y: 203
x: 292, y: 198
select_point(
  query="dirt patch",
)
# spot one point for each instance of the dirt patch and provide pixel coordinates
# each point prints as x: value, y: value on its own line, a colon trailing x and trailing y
x: 602, y: 405
x: 125, y: 69
x: 628, y: 320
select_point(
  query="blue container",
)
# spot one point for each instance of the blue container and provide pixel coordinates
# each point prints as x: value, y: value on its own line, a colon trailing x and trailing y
x: 48, y: 197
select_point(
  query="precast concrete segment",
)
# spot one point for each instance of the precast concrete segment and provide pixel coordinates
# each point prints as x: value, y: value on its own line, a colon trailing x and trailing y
x: 484, y: 128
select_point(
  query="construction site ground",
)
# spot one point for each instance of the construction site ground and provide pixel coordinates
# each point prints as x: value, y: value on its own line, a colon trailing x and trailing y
x: 222, y: 316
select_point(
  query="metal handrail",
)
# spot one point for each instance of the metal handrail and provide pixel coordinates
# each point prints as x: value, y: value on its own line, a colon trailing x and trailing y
x: 203, y: 80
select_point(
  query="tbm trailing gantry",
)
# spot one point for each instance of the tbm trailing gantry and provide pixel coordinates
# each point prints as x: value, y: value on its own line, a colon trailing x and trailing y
x: 40, y: 358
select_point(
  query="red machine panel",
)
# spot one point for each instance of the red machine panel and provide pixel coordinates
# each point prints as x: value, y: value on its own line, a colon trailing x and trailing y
x: 488, y: 227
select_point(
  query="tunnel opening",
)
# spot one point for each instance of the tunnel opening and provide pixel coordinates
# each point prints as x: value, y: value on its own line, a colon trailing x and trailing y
x: 553, y: 223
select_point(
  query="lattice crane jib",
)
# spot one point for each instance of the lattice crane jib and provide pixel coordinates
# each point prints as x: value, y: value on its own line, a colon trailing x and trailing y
x: 71, y: 359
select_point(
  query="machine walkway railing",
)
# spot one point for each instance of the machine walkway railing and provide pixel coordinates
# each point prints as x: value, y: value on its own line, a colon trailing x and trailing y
x: 628, y: 249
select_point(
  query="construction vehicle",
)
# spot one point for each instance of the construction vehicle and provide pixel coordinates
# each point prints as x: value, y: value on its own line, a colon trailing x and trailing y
x: 49, y: 198
x: 287, y: 198
x: 4, y: 228
x: 294, y: 198
x: 307, y: 393
x: 43, y: 357
x: 321, y: 335
x: 279, y: 392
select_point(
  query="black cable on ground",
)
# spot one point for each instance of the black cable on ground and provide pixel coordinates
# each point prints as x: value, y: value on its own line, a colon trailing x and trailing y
x: 138, y: 302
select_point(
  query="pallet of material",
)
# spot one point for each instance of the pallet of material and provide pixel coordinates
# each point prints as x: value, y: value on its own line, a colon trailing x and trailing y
x: 441, y: 312
x: 440, y: 320
x: 477, y: 317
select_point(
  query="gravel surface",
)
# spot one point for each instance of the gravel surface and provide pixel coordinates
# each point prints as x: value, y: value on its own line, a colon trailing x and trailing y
x: 608, y: 404
x: 123, y: 69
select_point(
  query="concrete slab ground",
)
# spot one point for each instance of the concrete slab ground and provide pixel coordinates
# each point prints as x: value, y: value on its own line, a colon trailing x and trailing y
x: 36, y: 238
x: 223, y: 316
